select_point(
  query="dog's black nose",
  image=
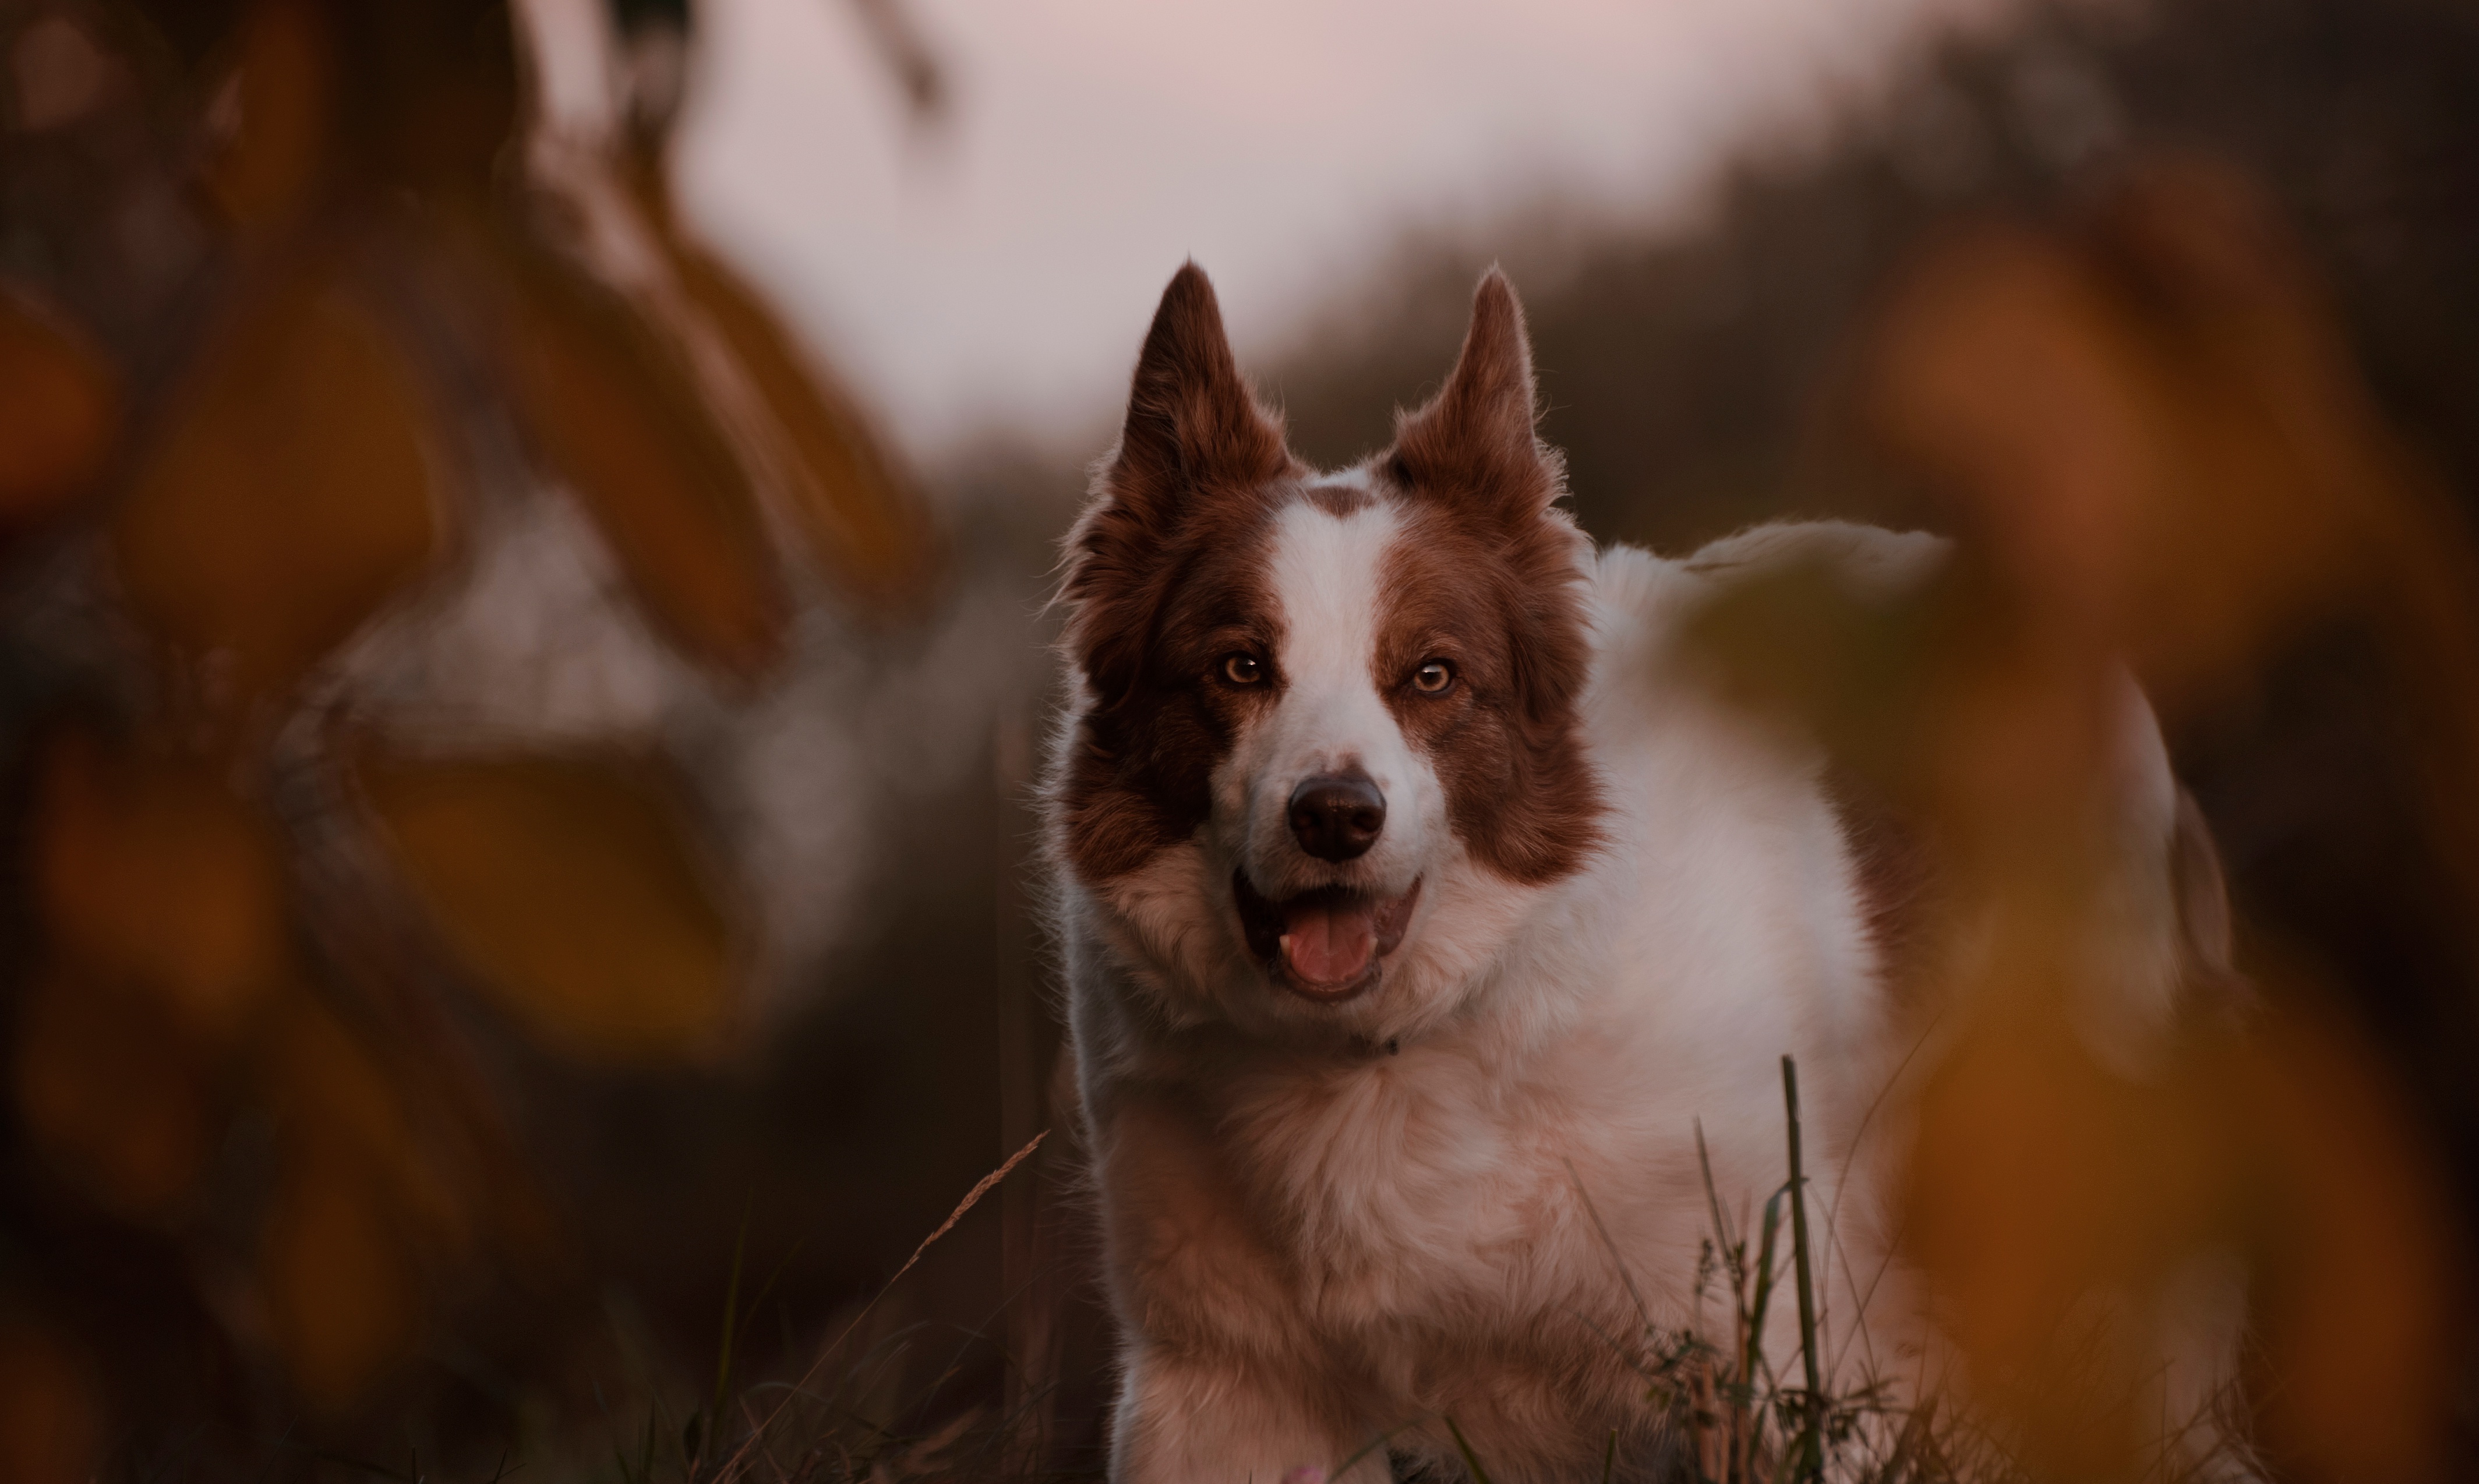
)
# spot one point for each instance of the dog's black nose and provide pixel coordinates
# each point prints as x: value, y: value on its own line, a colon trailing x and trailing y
x: 1337, y: 817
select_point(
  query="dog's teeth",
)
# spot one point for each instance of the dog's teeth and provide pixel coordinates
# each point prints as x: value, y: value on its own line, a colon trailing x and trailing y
x: 1284, y: 943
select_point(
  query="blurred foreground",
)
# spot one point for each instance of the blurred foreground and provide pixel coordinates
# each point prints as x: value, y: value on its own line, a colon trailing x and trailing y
x: 521, y: 927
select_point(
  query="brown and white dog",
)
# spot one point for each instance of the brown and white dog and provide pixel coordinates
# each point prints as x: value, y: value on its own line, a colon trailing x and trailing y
x: 1406, y: 901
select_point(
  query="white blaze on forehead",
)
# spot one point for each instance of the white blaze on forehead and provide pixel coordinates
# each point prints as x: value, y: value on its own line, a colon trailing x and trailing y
x: 1325, y: 576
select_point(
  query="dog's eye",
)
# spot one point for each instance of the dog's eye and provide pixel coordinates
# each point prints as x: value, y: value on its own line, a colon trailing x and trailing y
x: 1243, y: 669
x: 1433, y: 678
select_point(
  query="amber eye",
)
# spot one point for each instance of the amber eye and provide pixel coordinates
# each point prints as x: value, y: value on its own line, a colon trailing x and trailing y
x: 1243, y: 669
x: 1433, y: 678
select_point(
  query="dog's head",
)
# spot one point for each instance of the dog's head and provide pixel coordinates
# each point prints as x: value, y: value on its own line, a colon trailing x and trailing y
x: 1325, y: 738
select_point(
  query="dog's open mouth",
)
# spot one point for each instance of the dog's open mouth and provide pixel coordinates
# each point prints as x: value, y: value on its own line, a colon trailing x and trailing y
x: 1325, y: 943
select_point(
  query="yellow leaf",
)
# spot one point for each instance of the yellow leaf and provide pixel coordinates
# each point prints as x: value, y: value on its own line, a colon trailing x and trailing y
x: 570, y: 890
x: 59, y: 410
x: 153, y: 873
x: 292, y: 492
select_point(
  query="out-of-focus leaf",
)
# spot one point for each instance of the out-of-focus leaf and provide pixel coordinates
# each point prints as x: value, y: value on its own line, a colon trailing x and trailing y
x: 283, y: 121
x: 2010, y: 372
x: 332, y: 1090
x: 342, y: 1290
x: 434, y: 97
x: 862, y: 520
x: 2155, y: 443
x: 368, y: 1196
x: 1849, y: 668
x: 112, y: 1094
x: 2159, y: 440
x: 292, y: 492
x: 51, y: 1424
x: 153, y: 873
x: 59, y: 410
x: 571, y: 891
x: 619, y: 415
x: 2042, y: 1184
x: 2357, y: 1313
x: 862, y: 523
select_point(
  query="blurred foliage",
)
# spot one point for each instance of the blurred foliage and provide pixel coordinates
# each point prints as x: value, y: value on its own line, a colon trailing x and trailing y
x: 279, y: 279
x: 2157, y: 446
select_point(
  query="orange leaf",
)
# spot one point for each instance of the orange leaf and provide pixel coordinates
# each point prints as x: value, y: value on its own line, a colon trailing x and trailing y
x: 59, y: 410
x: 50, y: 1423
x: 571, y: 891
x: 2359, y: 1310
x: 342, y: 1289
x: 862, y: 523
x: 292, y: 492
x: 619, y: 415
x: 2009, y: 372
x: 284, y: 87
x: 2174, y: 483
x: 325, y: 1082
x: 153, y: 873
x: 112, y: 1094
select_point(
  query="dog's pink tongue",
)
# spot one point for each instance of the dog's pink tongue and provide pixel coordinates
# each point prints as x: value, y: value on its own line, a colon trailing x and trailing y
x: 1329, y: 944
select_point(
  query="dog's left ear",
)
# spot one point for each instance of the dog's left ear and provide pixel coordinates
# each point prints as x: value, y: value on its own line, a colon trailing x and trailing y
x: 1473, y: 442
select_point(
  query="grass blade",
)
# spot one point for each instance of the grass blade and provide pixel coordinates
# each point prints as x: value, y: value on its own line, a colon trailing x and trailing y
x: 1381, y: 1440
x: 707, y: 1436
x: 1472, y: 1461
x: 1733, y: 1253
x: 1758, y: 1306
x: 1812, y: 1436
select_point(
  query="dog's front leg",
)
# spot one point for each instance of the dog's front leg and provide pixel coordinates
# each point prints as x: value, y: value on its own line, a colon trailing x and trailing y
x: 1184, y: 1422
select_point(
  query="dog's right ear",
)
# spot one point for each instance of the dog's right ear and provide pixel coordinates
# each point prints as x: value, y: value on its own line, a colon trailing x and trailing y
x: 1192, y: 425
x: 1195, y: 431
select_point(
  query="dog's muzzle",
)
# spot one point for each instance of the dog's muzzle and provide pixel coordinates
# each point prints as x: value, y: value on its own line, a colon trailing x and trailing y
x: 1328, y: 944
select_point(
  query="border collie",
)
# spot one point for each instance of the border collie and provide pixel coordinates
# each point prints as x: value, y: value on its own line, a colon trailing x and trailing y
x: 1415, y: 915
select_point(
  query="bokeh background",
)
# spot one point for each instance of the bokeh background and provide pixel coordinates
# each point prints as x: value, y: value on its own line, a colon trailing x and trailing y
x: 523, y: 536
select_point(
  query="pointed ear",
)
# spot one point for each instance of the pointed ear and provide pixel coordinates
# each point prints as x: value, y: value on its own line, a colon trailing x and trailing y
x: 1473, y: 442
x: 1193, y: 422
x: 1193, y: 432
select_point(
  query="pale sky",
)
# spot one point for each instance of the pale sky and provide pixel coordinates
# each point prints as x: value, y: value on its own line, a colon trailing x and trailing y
x: 1003, y: 272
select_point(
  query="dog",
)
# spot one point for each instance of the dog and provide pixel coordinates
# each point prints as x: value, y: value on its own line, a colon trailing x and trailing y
x: 1415, y: 917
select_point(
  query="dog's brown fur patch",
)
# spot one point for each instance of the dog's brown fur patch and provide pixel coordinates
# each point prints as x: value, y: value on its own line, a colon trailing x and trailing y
x: 1486, y: 577
x: 1165, y: 576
